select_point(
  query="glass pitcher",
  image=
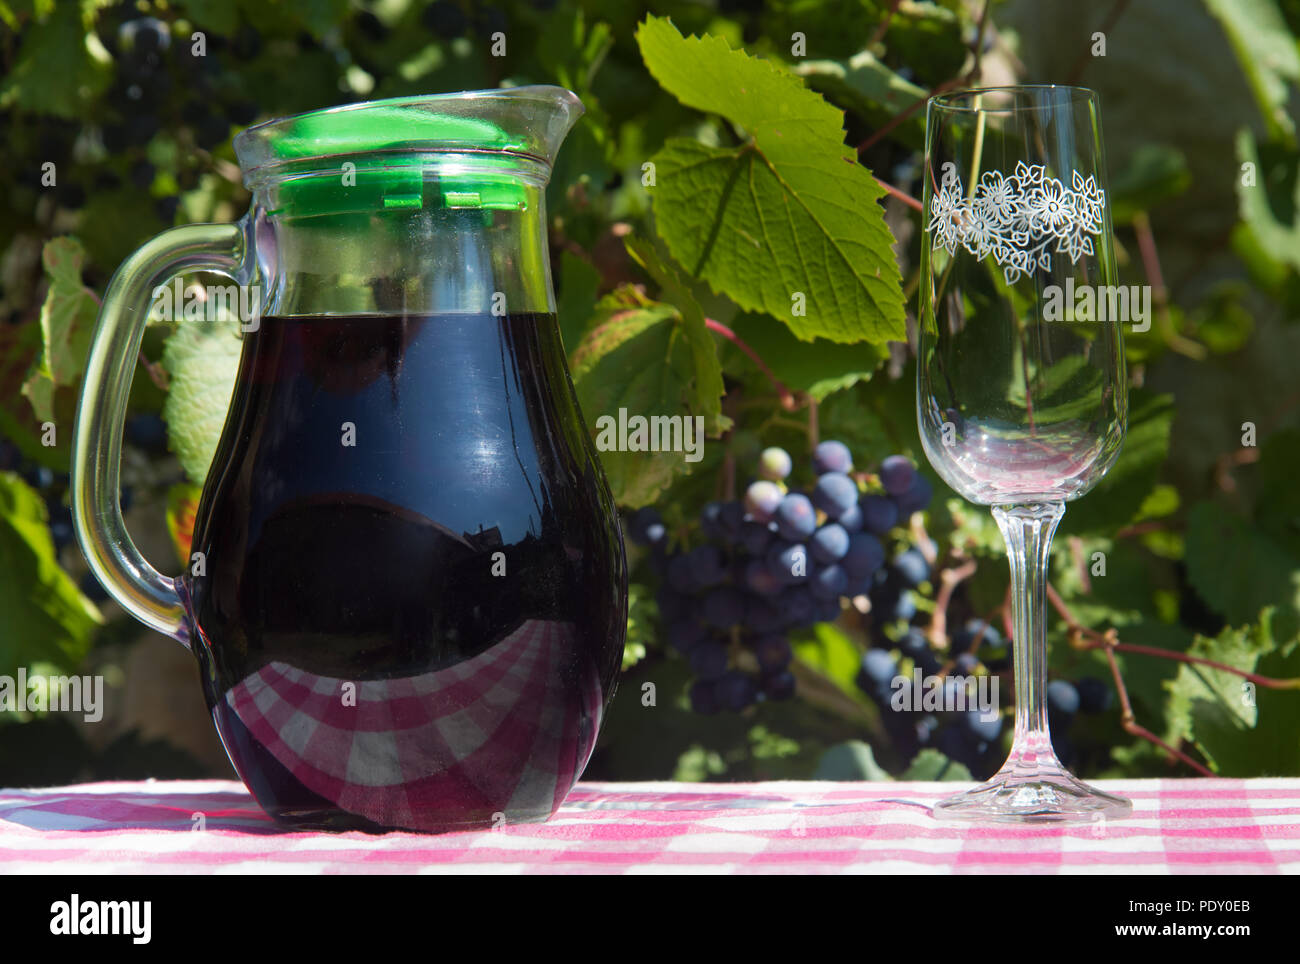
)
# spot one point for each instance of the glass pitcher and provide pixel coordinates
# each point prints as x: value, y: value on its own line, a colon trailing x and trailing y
x: 407, y: 594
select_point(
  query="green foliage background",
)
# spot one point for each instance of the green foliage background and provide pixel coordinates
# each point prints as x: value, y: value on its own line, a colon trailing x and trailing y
x: 1199, y: 521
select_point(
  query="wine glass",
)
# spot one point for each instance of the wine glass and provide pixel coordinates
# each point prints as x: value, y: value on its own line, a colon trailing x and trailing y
x: 1021, y: 389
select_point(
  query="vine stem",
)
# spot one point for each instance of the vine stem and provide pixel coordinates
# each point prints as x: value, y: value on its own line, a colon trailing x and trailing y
x: 1092, y: 639
x: 1106, y: 26
x: 879, y: 33
x: 906, y: 198
x: 788, y: 401
x: 1159, y: 293
x: 1132, y: 727
x: 920, y: 102
x: 949, y: 580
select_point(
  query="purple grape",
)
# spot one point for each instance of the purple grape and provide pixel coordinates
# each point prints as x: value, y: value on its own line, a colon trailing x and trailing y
x: 708, y: 659
x: 759, y: 578
x: 673, y: 607
x: 864, y: 556
x: 780, y: 685
x: 974, y: 634
x: 896, y: 474
x: 681, y: 574
x: 755, y: 537
x: 795, y: 517
x: 858, y: 586
x: 852, y: 520
x: 735, y: 690
x: 773, y: 652
x: 916, y: 498
x: 905, y: 607
x: 912, y: 568
x: 762, y: 617
x: 984, y: 731
x: 762, y: 498
x: 879, y: 514
x: 711, y: 520
x: 967, y: 664
x: 644, y: 525
x: 835, y: 493
x: 828, y: 610
x: 1062, y: 699
x: 878, y: 670
x: 723, y: 608
x: 829, y: 582
x: 914, y: 644
x: 798, y: 605
x: 708, y: 568
x: 1094, y: 695
x: 832, y: 456
x: 684, y: 635
x: 830, y: 543
x: 788, y: 562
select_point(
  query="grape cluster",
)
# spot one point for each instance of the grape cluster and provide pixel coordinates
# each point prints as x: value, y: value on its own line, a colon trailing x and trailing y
x: 774, y: 561
x: 144, y: 431
x: 1065, y: 700
x: 965, y: 736
x: 52, y: 487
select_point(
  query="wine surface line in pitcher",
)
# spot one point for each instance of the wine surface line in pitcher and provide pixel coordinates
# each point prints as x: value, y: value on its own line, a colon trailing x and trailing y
x: 407, y: 593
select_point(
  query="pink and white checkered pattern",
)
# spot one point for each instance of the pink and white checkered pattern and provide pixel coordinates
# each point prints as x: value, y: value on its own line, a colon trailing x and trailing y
x: 1178, y: 827
x: 443, y: 741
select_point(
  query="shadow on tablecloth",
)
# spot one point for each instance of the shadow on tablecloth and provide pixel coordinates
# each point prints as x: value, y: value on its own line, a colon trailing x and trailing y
x: 136, y: 810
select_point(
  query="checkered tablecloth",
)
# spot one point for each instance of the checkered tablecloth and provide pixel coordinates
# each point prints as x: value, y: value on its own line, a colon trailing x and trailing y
x: 1178, y: 826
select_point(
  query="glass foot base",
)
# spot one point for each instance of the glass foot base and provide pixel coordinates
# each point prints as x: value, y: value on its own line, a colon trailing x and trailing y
x: 1043, y: 793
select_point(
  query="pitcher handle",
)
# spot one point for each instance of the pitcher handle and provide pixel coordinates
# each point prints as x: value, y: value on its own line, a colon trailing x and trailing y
x: 126, y: 575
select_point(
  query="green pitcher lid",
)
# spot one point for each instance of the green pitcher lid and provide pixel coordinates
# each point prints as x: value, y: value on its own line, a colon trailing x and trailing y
x: 385, y: 156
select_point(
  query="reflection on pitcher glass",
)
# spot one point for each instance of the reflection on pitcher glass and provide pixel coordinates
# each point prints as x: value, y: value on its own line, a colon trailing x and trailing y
x: 407, y: 593
x: 1022, y: 397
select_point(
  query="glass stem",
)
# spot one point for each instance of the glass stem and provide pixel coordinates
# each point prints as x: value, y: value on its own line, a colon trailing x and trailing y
x: 1027, y: 530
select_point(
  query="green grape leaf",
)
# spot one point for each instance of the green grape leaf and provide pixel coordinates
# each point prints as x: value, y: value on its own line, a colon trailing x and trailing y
x: 870, y: 88
x: 54, y: 72
x: 1277, y: 507
x: 1236, y: 568
x: 321, y: 16
x: 201, y: 360
x: 818, y: 368
x: 825, y: 649
x: 706, y: 389
x: 932, y: 765
x: 1241, y: 728
x: 828, y: 29
x: 850, y: 760
x: 634, y: 360
x: 1267, y: 53
x: 1269, y: 201
x: 786, y: 223
x: 219, y: 16
x: 68, y: 314
x: 1118, y: 498
x: 579, y: 285
x: 67, y: 323
x: 46, y: 618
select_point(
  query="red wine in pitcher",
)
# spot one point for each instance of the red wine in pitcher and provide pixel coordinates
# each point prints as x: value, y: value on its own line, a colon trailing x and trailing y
x: 409, y: 606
